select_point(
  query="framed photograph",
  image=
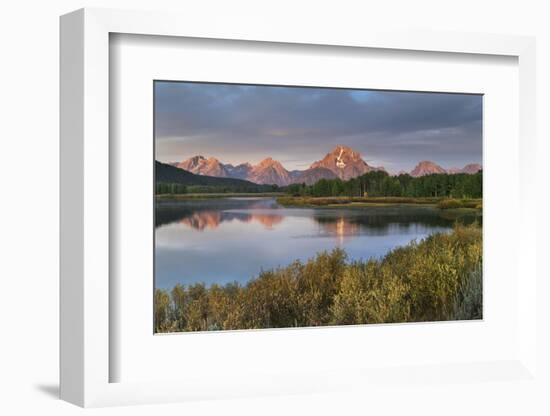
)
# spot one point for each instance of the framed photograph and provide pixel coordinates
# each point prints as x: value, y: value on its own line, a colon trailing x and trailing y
x: 268, y: 212
x: 326, y: 237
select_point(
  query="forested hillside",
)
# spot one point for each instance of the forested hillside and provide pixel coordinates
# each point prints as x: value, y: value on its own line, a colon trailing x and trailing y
x: 170, y: 179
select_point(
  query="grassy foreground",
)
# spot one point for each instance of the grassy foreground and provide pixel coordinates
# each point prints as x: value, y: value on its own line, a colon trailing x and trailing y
x: 436, y: 279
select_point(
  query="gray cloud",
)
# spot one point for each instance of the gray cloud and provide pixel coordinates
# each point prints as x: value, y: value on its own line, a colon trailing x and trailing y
x: 238, y: 123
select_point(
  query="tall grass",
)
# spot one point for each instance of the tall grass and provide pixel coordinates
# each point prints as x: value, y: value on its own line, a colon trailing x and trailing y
x: 436, y: 279
x: 450, y: 203
x: 468, y: 301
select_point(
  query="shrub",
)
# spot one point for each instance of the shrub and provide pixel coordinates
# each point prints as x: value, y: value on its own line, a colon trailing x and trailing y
x: 449, y: 203
x: 468, y: 301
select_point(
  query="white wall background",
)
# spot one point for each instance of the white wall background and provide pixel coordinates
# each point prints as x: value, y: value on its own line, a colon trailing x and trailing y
x: 29, y: 207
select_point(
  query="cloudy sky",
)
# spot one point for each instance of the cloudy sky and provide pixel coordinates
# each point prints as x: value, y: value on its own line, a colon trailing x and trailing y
x: 297, y: 126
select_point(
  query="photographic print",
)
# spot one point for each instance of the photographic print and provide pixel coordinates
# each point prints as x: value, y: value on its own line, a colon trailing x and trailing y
x: 288, y: 206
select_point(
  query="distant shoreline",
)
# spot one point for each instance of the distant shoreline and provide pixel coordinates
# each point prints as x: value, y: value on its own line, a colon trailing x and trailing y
x: 442, y: 203
x: 219, y: 195
x: 445, y: 204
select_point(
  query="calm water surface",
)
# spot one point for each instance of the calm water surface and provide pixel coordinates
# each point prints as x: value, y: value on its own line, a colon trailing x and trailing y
x: 233, y: 239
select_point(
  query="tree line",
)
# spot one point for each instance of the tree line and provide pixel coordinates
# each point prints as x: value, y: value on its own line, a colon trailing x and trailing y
x: 379, y: 183
x: 163, y: 188
x: 438, y: 278
x: 170, y: 188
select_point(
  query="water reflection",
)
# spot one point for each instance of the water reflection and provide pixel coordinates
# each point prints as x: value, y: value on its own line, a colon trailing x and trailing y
x: 223, y: 240
x: 210, y: 213
x: 340, y: 228
x: 212, y: 219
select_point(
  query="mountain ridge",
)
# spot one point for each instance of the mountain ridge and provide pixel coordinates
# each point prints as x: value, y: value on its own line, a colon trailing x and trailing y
x: 427, y: 167
x: 344, y: 162
x: 168, y: 173
x: 269, y: 171
x: 341, y: 162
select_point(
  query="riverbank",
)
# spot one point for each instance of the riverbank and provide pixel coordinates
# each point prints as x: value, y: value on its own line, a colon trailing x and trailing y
x: 219, y: 195
x: 462, y: 205
x: 436, y: 279
x: 338, y: 201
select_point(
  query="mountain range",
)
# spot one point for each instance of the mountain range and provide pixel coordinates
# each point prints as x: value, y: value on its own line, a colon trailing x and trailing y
x: 342, y: 162
x: 427, y: 167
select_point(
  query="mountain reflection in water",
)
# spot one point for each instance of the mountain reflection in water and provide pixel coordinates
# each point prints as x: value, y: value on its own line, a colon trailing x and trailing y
x: 202, y: 220
x: 232, y: 239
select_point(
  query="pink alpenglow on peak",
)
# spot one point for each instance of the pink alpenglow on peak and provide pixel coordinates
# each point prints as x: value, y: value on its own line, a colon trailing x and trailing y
x: 199, y: 165
x: 471, y: 168
x: 269, y: 171
x: 427, y: 167
x: 341, y: 162
x: 344, y: 162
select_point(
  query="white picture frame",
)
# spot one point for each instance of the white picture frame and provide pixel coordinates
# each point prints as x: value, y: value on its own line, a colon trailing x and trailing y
x: 86, y: 356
